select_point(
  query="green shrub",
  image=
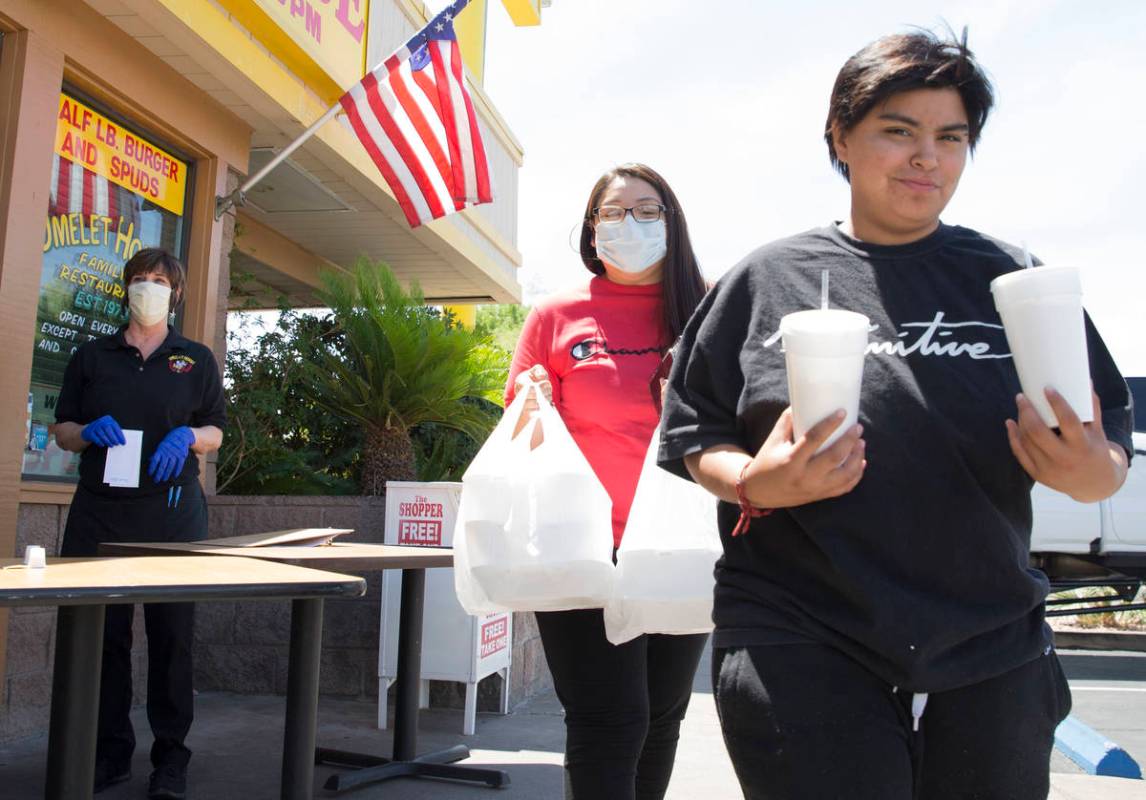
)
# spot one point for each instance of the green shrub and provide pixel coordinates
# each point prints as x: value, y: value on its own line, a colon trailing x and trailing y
x: 381, y: 387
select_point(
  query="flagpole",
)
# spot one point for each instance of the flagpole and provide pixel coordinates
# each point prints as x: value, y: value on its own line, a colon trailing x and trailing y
x: 223, y: 203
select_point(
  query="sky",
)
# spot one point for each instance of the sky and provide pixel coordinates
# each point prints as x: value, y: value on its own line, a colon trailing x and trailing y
x: 728, y: 101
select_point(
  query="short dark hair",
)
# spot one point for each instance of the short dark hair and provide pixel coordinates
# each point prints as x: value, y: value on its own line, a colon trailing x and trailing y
x: 156, y: 259
x: 682, y: 285
x: 903, y: 62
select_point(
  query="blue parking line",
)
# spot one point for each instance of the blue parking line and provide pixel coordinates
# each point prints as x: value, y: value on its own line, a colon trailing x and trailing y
x: 1094, y: 752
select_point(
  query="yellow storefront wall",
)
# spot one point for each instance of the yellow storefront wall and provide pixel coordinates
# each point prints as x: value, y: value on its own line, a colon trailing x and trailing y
x: 470, y: 28
x: 320, y: 41
x: 465, y: 315
x: 524, y: 12
x: 324, y: 41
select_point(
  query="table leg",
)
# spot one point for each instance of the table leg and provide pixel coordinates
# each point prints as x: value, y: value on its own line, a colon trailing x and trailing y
x: 75, y: 702
x: 410, y: 617
x: 302, y: 699
x: 406, y: 762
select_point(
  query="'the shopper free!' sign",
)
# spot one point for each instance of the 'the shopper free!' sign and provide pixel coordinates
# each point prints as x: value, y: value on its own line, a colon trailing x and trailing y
x: 420, y: 522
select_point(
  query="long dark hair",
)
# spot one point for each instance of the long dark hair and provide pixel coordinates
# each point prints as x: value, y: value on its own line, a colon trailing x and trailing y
x: 682, y: 285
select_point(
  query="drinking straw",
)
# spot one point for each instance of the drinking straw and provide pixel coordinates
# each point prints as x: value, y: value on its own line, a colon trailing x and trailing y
x: 1028, y: 262
x: 824, y: 289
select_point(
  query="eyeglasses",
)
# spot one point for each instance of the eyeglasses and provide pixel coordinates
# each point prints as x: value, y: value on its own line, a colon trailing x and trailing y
x: 644, y: 212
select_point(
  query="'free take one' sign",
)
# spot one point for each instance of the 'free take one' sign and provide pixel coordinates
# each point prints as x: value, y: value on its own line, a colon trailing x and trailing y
x: 494, y: 636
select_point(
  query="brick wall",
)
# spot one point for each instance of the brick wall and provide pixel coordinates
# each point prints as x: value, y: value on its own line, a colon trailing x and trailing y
x: 31, y: 636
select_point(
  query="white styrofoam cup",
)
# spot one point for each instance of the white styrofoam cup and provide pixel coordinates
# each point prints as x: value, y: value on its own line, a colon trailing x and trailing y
x: 824, y: 353
x: 1042, y: 315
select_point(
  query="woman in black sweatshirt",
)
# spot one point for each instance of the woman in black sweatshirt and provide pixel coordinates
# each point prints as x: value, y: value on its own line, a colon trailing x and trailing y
x: 879, y: 633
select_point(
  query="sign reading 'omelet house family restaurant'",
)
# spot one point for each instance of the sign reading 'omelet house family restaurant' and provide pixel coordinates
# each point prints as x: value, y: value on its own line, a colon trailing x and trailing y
x: 84, y: 136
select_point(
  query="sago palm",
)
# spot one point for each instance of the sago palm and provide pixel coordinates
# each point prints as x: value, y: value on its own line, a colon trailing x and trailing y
x: 391, y: 363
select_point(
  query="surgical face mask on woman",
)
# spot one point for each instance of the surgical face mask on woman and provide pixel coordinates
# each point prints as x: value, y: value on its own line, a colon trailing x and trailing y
x: 149, y: 302
x: 632, y: 246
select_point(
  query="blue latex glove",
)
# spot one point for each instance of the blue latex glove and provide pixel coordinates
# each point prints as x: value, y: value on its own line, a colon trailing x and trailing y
x: 104, y: 432
x: 167, y: 460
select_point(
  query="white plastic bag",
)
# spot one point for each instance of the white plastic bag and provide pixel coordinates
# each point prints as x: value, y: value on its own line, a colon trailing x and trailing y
x: 534, y: 530
x: 664, y: 577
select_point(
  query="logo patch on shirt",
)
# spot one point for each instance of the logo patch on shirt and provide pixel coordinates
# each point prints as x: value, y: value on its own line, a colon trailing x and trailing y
x: 587, y: 348
x: 180, y: 363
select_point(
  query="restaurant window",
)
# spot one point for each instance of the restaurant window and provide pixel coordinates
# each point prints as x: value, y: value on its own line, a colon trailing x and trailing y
x: 113, y: 192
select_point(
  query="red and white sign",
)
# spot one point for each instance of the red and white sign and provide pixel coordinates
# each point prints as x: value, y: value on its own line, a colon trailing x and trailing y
x: 427, y: 533
x: 420, y: 523
x: 494, y: 636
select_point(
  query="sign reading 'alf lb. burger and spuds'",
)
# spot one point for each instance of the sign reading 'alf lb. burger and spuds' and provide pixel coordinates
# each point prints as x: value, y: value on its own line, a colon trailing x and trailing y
x: 84, y: 136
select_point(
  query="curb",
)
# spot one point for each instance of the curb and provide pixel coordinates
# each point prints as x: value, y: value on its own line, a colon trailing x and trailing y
x: 1094, y: 752
x: 1066, y: 786
x: 1078, y: 640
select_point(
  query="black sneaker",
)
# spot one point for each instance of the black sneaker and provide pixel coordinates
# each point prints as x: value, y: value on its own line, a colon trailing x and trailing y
x: 109, y: 773
x: 168, y: 782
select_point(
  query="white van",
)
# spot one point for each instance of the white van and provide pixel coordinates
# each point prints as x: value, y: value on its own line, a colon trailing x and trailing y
x: 1081, y: 541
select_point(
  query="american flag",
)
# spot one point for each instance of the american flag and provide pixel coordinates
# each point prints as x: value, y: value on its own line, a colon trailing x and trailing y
x: 415, y: 118
x: 76, y: 189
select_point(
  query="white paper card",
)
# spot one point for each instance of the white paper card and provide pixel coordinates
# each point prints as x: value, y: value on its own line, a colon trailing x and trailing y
x: 122, y: 465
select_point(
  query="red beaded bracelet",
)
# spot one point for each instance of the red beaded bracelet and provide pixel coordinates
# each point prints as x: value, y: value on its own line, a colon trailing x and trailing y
x: 747, y: 510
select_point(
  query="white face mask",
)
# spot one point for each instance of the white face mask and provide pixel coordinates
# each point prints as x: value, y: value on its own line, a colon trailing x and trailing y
x: 149, y: 302
x: 632, y: 246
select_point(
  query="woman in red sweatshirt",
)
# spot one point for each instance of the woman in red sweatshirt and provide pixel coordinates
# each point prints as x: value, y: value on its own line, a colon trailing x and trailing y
x: 597, y: 351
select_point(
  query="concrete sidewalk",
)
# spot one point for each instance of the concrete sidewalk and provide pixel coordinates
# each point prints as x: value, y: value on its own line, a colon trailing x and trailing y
x: 237, y: 742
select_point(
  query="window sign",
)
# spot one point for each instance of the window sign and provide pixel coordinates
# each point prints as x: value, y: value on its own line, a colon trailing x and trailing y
x: 113, y: 193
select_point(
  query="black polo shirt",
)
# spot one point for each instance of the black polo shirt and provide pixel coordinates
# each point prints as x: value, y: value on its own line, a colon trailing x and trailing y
x: 178, y: 384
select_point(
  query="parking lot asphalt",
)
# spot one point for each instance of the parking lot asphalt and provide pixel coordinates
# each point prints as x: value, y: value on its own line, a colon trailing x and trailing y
x: 237, y: 743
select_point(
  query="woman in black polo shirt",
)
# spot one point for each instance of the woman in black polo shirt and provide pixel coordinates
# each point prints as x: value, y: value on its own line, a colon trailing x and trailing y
x: 145, y: 378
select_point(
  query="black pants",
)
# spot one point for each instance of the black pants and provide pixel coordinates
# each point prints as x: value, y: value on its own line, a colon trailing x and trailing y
x: 93, y: 519
x: 805, y: 721
x: 623, y: 704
